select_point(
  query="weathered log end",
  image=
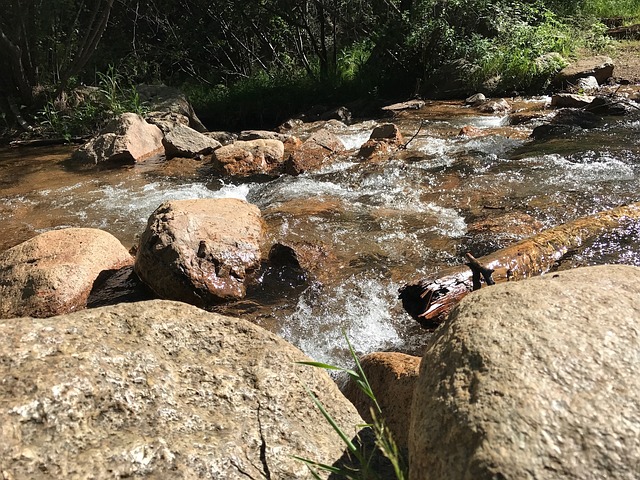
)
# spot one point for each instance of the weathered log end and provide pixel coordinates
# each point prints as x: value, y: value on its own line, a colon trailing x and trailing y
x: 430, y: 301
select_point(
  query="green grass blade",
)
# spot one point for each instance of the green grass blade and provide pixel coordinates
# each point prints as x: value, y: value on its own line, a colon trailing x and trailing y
x: 347, y: 441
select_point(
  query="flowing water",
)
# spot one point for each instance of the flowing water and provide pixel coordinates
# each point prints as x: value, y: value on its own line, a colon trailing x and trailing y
x: 378, y: 224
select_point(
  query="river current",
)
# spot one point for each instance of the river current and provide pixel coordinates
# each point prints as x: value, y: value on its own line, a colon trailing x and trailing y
x: 378, y: 223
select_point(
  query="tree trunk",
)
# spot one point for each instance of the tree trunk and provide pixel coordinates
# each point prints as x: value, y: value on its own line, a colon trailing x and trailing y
x: 430, y: 300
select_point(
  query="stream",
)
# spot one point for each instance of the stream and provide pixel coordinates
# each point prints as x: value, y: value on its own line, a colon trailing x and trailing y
x: 378, y: 224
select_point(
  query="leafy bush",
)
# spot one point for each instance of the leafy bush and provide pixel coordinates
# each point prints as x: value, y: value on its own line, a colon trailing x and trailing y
x: 87, y: 109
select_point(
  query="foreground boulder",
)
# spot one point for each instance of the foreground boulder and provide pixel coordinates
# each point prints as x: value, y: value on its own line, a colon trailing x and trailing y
x: 534, y: 379
x: 318, y: 150
x: 54, y: 272
x: 392, y: 377
x: 126, y: 139
x: 160, y: 390
x: 199, y: 251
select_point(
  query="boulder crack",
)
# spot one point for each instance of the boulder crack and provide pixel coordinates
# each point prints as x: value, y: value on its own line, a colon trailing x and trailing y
x: 263, y: 449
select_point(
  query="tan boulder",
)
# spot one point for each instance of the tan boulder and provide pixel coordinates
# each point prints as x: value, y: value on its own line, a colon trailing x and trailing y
x: 54, y: 272
x: 160, y: 390
x: 316, y: 151
x: 126, y: 139
x: 533, y: 379
x: 199, y: 251
x: 392, y: 377
x: 250, y: 157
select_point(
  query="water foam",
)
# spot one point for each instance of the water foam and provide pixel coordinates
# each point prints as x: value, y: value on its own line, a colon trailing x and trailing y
x: 359, y: 306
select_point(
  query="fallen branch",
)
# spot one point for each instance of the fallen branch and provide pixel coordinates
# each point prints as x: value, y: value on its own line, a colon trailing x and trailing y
x: 430, y: 300
x: 44, y: 142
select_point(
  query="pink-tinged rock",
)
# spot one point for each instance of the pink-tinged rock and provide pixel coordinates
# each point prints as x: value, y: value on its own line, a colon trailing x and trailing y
x: 318, y: 150
x: 250, y: 157
x: 54, y: 272
x: 384, y: 139
x: 199, y: 251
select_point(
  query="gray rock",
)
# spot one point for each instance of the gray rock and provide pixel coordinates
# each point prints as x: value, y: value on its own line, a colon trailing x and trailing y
x: 168, y: 99
x: 587, y: 84
x: 262, y: 135
x: 570, y: 100
x: 54, y: 272
x: 182, y: 141
x: 409, y: 105
x: 159, y: 390
x: 600, y: 67
x: 475, y: 100
x: 199, y: 251
x: 534, y: 380
x: 225, y: 138
x: 496, y: 106
x: 126, y: 139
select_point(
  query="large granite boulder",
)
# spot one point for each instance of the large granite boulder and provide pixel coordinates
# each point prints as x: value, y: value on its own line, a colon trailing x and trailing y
x: 126, y: 139
x: 199, y: 251
x: 54, y: 272
x: 250, y: 157
x: 392, y: 377
x: 316, y: 151
x: 534, y: 379
x: 160, y: 390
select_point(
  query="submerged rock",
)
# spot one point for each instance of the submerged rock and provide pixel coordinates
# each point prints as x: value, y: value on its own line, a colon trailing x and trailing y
x: 533, y: 379
x: 160, y: 390
x: 54, y: 272
x: 199, y: 251
x: 126, y: 139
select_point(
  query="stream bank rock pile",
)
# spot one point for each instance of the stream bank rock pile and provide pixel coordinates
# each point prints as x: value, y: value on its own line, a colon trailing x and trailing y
x: 534, y: 379
x: 159, y: 390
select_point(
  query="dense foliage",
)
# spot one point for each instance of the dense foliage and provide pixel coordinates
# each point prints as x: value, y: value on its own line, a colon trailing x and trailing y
x: 250, y: 54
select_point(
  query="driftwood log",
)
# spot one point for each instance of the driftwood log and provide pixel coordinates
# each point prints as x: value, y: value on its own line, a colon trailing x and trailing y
x: 431, y: 299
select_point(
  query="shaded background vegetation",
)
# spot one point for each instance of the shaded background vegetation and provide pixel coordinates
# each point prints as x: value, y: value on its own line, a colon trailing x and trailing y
x: 258, y: 61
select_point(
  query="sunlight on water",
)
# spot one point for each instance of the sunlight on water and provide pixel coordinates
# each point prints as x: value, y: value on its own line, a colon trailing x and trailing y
x: 359, y: 306
x: 353, y: 141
